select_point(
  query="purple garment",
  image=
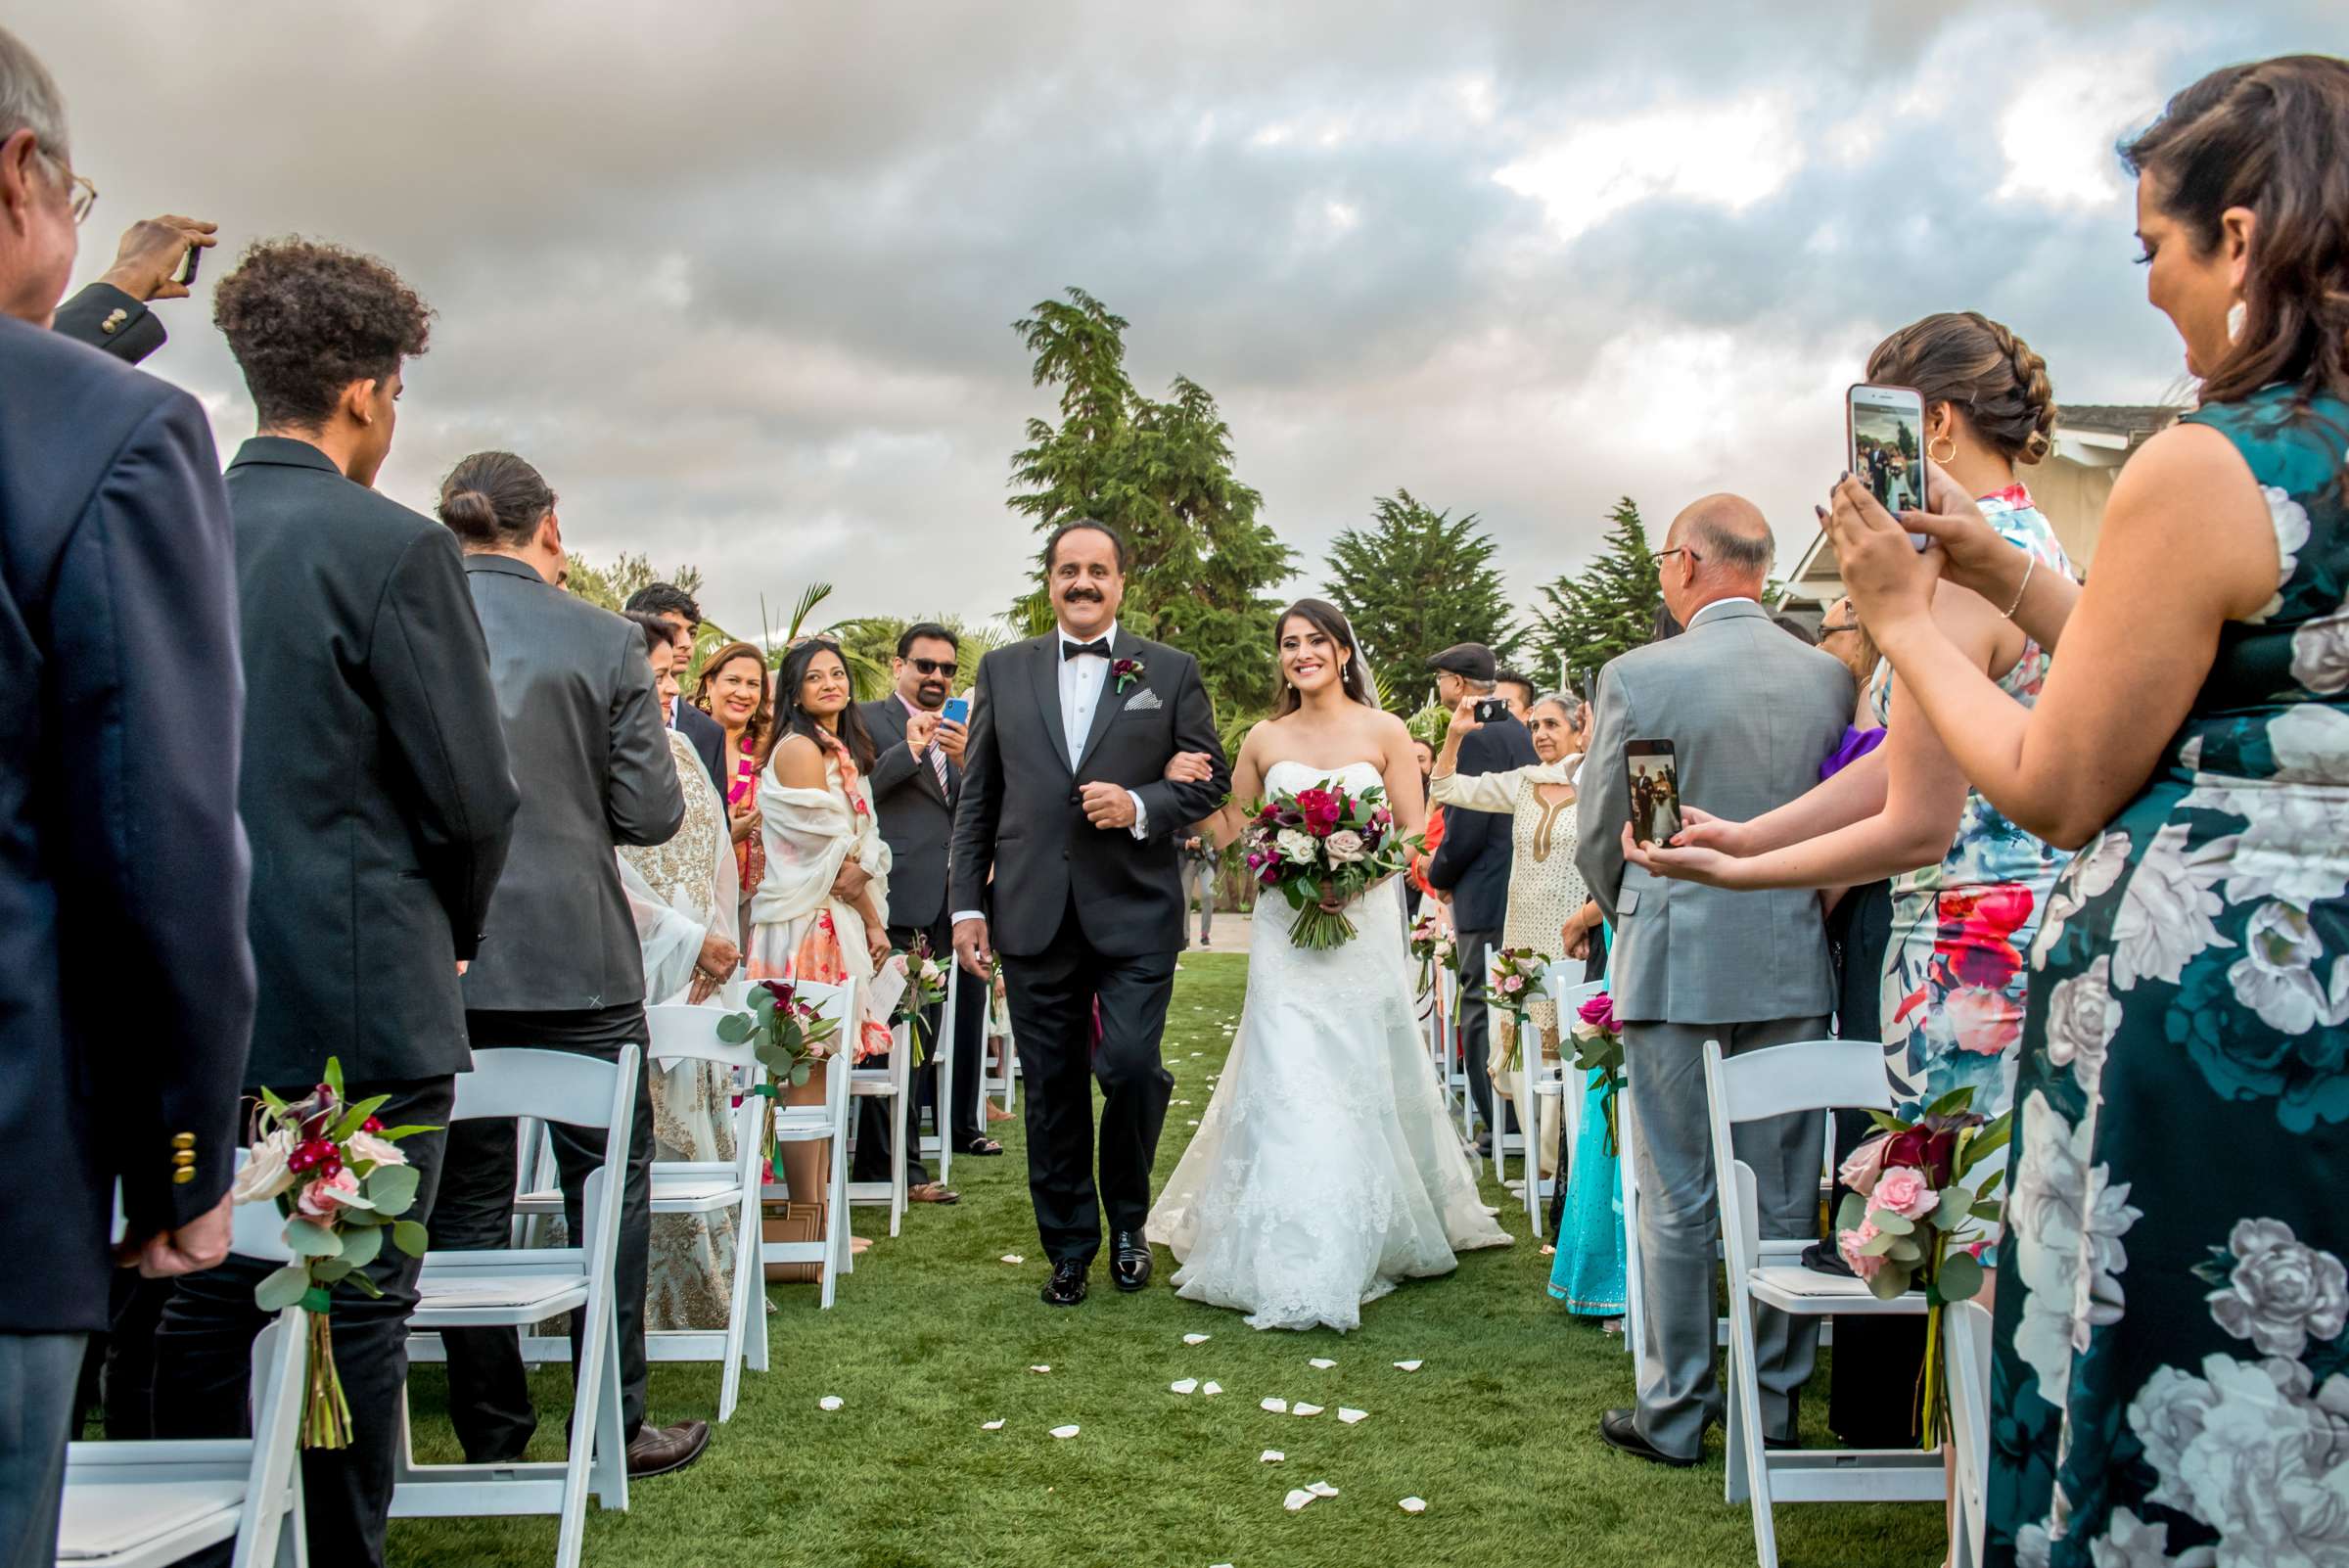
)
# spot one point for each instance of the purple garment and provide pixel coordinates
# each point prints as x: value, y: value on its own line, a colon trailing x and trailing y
x: 1855, y: 744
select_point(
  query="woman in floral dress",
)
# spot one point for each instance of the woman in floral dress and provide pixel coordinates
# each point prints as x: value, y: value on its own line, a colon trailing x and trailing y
x: 2171, y: 1381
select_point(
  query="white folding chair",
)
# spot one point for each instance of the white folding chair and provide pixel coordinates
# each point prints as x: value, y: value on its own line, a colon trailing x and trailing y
x: 1541, y: 1082
x: 699, y: 1188
x: 518, y: 1288
x: 144, y: 1505
x: 941, y: 1140
x: 1454, y: 1062
x: 814, y: 1124
x: 1965, y: 1345
x: 1810, y: 1076
x: 894, y: 1083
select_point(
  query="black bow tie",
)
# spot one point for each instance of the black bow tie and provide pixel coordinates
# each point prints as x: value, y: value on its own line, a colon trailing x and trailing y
x: 1098, y: 648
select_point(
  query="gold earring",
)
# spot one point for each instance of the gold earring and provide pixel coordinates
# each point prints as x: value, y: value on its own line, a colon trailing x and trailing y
x: 1939, y: 440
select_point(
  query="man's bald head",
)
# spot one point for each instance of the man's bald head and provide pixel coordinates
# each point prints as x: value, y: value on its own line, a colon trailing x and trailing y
x: 1727, y: 553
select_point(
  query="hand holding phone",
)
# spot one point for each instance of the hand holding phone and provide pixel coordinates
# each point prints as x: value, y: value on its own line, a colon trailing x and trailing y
x: 1885, y: 430
x: 957, y: 711
x: 1490, y: 709
x: 1654, y: 790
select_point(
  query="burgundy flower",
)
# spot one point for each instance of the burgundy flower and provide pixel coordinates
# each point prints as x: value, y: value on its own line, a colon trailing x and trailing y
x: 779, y: 990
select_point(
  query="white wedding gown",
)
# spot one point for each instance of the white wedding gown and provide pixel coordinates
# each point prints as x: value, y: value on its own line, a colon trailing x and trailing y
x: 1326, y: 1167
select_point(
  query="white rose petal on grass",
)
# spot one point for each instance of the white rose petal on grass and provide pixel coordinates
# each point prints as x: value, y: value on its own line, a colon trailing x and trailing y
x: 1195, y: 1339
x: 1014, y: 1258
x: 1350, y: 1416
x: 991, y: 1426
x: 1270, y: 1456
x: 1276, y: 1407
x: 1301, y: 1408
x: 1039, y: 1368
x: 1211, y: 1388
x: 1189, y: 1385
x: 1413, y: 1505
x: 1321, y: 1488
x: 1408, y: 1366
x: 1321, y: 1364
x: 830, y: 1401
x: 1297, y: 1500
x: 1066, y: 1431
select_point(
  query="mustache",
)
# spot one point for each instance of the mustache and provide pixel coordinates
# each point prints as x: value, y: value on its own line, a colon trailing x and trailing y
x: 1076, y: 594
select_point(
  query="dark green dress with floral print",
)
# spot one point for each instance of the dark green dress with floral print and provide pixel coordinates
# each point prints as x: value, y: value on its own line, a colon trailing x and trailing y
x: 2171, y: 1384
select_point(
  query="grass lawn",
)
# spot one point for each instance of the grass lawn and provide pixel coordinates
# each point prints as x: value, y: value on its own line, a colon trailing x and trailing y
x: 934, y: 1335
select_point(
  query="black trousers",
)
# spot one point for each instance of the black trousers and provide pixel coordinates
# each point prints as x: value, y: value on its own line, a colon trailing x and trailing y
x: 489, y: 1387
x: 204, y: 1352
x: 118, y: 1371
x: 1053, y: 994
x: 1475, y: 948
x: 960, y: 1121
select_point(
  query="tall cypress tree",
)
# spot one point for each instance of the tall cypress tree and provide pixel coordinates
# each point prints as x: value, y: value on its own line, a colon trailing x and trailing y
x: 1199, y: 563
x: 1607, y: 608
x: 1414, y: 582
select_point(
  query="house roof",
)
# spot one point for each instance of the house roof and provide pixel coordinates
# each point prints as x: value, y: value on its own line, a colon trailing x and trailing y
x: 2133, y: 421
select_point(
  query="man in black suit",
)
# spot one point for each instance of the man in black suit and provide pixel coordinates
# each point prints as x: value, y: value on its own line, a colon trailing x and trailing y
x: 376, y: 788
x: 1473, y: 861
x: 111, y: 313
x: 705, y: 734
x: 560, y: 967
x: 122, y: 884
x: 1065, y: 801
x: 916, y: 782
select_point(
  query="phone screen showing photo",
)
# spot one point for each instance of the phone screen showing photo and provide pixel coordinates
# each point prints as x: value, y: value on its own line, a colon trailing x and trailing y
x: 1888, y: 444
x: 1655, y: 790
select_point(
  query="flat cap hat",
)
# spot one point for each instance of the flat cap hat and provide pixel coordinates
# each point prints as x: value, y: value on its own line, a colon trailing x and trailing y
x: 1472, y: 660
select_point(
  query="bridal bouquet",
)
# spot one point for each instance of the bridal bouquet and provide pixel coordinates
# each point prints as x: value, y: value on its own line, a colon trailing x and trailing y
x: 1324, y: 845
x: 1598, y: 1048
x: 1909, y: 1218
x: 1515, y: 981
x: 337, y: 1174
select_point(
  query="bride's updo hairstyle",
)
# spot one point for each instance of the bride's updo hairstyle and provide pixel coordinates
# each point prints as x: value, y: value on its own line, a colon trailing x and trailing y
x: 1998, y: 385
x: 494, y: 501
x: 1329, y: 621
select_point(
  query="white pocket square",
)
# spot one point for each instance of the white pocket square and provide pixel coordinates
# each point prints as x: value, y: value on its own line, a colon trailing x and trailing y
x: 1143, y: 702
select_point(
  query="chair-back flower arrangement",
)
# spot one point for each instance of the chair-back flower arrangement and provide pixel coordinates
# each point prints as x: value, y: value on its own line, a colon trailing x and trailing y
x: 785, y: 1034
x: 1598, y: 1050
x: 1515, y: 981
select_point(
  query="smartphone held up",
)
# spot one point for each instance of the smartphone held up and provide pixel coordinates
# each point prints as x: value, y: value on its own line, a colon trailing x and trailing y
x: 1885, y: 447
x: 1654, y: 790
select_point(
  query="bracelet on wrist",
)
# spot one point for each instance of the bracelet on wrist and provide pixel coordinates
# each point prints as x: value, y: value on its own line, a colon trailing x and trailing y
x: 2030, y: 565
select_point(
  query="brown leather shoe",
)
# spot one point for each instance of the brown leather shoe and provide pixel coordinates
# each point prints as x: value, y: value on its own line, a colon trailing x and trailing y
x: 659, y: 1449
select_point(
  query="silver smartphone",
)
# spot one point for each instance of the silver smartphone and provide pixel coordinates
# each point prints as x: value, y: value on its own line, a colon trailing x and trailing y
x: 1885, y: 447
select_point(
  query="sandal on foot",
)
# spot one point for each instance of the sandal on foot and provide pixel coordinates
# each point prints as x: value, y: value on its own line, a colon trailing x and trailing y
x: 932, y: 1192
x: 981, y: 1146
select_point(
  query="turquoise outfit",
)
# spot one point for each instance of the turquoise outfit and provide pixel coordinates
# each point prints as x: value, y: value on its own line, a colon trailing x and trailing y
x: 1587, y: 1274
x: 2171, y: 1374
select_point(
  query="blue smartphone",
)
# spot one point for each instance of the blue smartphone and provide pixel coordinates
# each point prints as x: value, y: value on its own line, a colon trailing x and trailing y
x: 957, y: 711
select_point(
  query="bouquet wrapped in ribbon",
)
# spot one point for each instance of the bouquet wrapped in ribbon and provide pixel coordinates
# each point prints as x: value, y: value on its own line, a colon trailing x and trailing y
x: 1911, y: 1222
x: 1321, y: 849
x: 1516, y: 982
x: 337, y: 1174
x: 1598, y: 1050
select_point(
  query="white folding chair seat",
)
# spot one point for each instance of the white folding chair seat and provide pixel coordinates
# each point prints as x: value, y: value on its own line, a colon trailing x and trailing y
x: 814, y: 1124
x: 894, y: 1083
x: 1810, y: 1076
x: 518, y: 1288
x: 143, y: 1504
x: 1966, y: 1343
x: 939, y: 1142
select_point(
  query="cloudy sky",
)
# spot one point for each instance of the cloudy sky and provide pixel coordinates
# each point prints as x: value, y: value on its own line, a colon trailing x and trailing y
x: 739, y: 277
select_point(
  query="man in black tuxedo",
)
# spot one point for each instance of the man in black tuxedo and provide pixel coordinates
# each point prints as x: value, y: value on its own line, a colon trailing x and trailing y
x: 1065, y: 802
x: 705, y: 734
x: 1473, y: 861
x: 916, y: 782
x: 377, y: 791
x: 126, y: 987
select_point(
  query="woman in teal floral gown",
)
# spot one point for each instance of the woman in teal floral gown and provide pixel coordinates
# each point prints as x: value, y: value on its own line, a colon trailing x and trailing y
x: 2172, y: 1378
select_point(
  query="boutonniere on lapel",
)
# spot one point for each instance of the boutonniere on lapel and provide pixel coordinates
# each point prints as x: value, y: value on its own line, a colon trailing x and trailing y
x: 1126, y: 671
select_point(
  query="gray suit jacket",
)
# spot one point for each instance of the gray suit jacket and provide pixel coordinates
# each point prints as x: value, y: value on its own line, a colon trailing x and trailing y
x: 592, y: 760
x: 1751, y: 714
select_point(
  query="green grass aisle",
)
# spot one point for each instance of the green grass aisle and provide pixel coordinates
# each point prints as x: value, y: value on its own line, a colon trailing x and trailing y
x: 934, y: 1335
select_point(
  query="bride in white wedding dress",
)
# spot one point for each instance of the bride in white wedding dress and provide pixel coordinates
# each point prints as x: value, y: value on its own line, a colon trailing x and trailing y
x: 1325, y: 1170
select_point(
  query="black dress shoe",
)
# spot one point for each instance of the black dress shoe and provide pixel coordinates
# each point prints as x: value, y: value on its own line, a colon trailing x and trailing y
x: 659, y: 1449
x: 1621, y: 1431
x: 1066, y: 1287
x: 1128, y: 1261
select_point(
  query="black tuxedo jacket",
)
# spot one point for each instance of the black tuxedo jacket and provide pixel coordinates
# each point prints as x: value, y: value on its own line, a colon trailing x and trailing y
x: 1021, y: 815
x: 105, y: 317
x: 917, y: 818
x: 125, y: 987
x: 707, y: 737
x: 376, y: 784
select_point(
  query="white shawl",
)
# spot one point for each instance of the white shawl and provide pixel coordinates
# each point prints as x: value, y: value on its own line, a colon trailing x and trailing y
x: 809, y: 835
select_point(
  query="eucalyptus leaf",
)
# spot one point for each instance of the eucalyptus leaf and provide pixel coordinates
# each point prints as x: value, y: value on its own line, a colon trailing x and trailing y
x: 1990, y: 1212
x: 307, y: 1238
x: 326, y: 1270
x: 1892, y: 1225
x: 391, y: 1188
x: 1889, y: 1284
x: 799, y: 1073
x: 410, y: 1237
x: 1959, y: 1277
x: 735, y: 1028
x: 282, y: 1288
x: 1877, y: 1245
x: 362, y: 1246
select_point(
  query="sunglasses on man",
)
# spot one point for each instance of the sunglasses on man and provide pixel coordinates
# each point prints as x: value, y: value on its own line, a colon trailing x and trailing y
x: 935, y: 666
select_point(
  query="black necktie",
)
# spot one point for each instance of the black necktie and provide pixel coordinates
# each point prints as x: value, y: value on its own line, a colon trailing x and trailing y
x: 1098, y: 648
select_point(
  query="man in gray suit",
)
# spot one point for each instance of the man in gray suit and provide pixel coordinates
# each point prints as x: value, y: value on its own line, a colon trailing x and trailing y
x: 1750, y: 713
x: 559, y: 967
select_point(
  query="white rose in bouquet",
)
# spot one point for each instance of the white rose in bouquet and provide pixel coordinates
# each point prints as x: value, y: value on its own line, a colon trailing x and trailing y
x: 1344, y: 847
x: 266, y: 1174
x: 1296, y: 846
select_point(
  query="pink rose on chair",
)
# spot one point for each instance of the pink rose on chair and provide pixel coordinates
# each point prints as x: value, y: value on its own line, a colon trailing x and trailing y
x: 1599, y: 1012
x: 1848, y: 1244
x: 1905, y: 1191
x: 328, y: 1196
x: 1866, y: 1164
x: 1984, y: 1022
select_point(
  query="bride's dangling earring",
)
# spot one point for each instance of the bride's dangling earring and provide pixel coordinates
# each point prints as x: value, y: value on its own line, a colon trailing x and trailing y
x: 2235, y: 313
